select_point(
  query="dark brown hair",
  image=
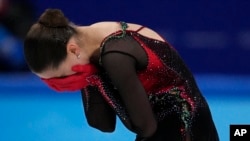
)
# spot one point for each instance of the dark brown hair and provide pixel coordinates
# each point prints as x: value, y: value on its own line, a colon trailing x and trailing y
x: 45, y: 43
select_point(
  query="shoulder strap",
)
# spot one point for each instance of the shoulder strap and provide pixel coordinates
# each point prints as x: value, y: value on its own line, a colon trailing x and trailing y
x: 121, y: 33
x: 139, y: 29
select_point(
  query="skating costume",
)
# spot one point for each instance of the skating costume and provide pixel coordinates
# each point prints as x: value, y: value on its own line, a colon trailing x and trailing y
x: 179, y: 108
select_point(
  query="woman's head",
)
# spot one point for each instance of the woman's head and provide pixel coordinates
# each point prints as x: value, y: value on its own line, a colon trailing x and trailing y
x: 45, y: 46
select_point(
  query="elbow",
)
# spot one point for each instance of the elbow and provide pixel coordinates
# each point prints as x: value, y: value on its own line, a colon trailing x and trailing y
x: 102, y: 127
x: 146, y: 129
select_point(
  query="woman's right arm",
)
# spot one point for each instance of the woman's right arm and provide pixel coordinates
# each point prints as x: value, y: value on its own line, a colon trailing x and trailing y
x: 98, y: 113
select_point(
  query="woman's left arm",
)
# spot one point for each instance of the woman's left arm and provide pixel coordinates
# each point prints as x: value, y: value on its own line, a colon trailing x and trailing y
x: 122, y: 71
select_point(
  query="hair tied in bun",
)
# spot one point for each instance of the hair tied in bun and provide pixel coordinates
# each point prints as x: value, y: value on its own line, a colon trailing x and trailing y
x: 53, y: 18
x: 50, y: 26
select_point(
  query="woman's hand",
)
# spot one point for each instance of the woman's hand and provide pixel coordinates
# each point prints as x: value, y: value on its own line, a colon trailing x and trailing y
x: 72, y: 82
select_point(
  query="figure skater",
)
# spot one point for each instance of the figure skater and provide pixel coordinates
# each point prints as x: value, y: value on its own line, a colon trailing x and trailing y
x: 122, y: 69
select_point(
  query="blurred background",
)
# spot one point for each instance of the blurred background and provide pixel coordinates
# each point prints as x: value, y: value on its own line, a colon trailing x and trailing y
x: 213, y: 38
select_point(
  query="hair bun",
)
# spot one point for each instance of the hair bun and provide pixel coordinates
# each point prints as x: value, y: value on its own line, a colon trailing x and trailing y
x: 53, y: 18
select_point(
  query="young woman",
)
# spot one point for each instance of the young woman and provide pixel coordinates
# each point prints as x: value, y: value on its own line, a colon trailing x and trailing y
x: 122, y: 69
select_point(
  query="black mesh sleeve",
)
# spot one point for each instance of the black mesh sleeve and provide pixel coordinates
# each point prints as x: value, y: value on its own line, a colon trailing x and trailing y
x: 120, y: 64
x: 98, y: 113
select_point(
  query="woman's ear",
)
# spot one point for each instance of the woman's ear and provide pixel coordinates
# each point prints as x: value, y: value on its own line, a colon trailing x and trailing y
x: 73, y: 48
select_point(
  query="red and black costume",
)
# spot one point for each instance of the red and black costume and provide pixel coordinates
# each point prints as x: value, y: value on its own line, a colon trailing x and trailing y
x: 132, y: 66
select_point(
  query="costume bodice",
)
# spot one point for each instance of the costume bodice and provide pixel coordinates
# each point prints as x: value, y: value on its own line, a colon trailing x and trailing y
x: 168, y: 83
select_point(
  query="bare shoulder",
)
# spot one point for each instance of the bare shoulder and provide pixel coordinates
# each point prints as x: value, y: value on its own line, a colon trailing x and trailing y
x: 146, y: 31
x: 108, y: 27
x: 105, y: 24
x: 114, y: 25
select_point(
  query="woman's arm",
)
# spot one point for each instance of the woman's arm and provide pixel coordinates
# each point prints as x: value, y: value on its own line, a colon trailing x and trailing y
x: 122, y: 70
x: 98, y: 113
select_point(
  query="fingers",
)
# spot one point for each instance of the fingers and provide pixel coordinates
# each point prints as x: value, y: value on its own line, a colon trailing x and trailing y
x: 70, y: 83
x: 75, y: 81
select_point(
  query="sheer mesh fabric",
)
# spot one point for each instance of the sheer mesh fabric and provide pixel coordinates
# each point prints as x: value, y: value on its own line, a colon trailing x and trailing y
x: 98, y: 113
x: 121, y: 58
x: 127, y: 46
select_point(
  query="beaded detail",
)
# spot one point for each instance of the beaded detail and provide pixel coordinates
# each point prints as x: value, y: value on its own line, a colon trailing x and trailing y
x: 116, y: 35
x: 109, y: 93
x: 173, y: 102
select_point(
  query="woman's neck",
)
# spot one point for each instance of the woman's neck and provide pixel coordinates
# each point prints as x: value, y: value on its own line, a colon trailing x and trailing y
x: 90, y: 40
